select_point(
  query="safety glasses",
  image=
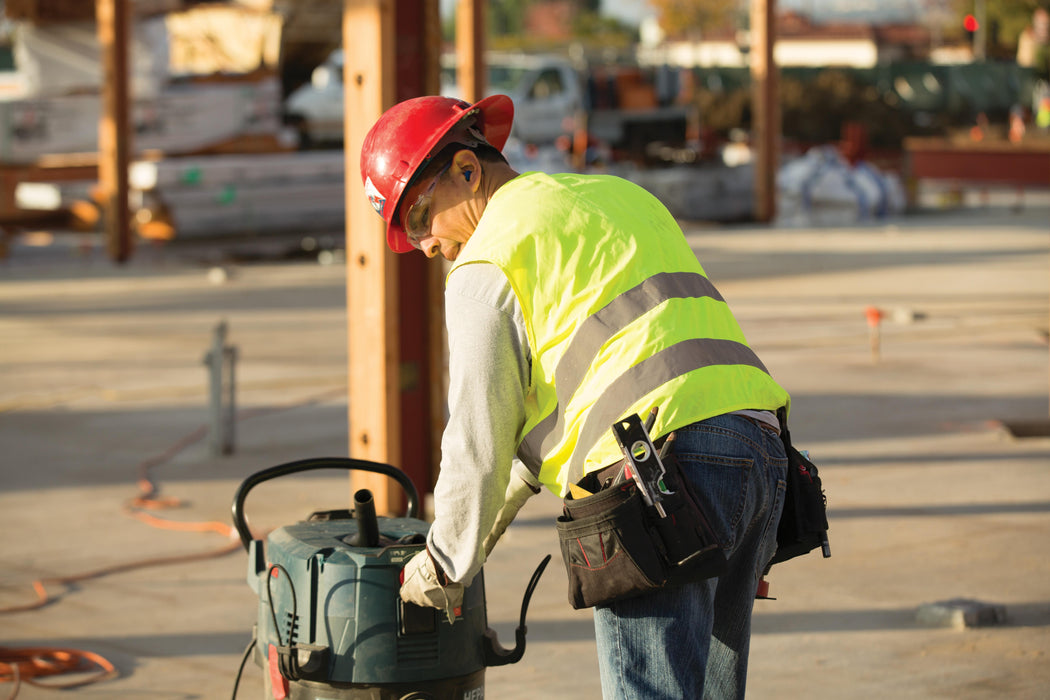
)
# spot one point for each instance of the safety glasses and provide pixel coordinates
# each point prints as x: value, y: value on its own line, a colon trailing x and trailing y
x: 417, y: 218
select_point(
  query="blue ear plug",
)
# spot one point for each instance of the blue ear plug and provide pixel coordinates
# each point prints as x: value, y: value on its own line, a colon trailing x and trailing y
x: 466, y: 175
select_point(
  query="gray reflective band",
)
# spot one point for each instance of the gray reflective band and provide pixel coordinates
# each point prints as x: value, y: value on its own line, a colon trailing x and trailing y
x: 589, y: 338
x: 649, y: 375
x: 529, y: 449
x: 617, y: 315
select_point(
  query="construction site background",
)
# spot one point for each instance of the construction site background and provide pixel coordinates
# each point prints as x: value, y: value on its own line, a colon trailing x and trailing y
x: 909, y: 319
x: 933, y: 495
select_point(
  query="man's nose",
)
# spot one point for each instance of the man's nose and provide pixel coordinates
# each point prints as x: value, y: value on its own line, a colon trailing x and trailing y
x: 430, y: 246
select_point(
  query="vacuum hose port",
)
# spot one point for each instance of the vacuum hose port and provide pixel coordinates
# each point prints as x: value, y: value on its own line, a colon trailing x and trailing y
x: 367, y: 523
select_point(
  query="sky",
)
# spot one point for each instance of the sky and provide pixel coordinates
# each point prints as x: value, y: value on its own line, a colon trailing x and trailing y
x: 629, y: 11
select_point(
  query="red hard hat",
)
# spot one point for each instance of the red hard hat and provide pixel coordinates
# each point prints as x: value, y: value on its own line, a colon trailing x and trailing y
x: 412, y: 132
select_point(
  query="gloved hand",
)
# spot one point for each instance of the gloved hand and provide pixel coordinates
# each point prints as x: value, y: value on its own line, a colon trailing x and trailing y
x: 422, y: 586
x: 518, y: 492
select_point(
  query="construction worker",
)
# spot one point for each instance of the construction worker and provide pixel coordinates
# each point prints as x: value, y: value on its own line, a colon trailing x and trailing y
x: 573, y: 301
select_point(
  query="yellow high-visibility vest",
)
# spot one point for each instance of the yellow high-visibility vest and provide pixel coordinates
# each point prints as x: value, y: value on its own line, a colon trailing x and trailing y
x: 620, y: 317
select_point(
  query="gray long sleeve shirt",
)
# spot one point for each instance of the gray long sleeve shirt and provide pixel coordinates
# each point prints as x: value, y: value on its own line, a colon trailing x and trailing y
x: 489, y: 370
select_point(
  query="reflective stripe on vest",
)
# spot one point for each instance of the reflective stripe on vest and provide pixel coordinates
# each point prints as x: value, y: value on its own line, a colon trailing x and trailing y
x: 593, y: 333
x: 642, y: 379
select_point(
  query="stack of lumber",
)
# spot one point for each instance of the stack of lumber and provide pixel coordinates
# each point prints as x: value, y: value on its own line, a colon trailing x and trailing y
x: 185, y: 117
x: 241, y: 195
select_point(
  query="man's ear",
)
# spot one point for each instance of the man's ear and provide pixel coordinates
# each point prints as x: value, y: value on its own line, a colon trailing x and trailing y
x: 466, y: 164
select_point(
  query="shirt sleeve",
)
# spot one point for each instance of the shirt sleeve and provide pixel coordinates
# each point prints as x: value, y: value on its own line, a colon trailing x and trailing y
x: 489, y: 370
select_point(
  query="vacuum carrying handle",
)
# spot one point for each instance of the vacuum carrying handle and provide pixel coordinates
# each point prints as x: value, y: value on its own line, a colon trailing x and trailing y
x: 305, y: 465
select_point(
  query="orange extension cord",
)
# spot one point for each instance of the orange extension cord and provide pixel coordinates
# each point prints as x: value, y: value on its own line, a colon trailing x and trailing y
x: 146, y: 500
x: 29, y: 664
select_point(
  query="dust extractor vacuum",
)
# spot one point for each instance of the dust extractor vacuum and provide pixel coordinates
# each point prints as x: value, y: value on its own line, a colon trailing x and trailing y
x: 331, y: 624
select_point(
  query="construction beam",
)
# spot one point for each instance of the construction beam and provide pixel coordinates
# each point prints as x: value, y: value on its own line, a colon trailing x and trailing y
x: 470, y: 48
x: 395, y: 314
x: 114, y: 136
x: 371, y: 269
x: 765, y: 108
x: 421, y: 318
x: 433, y: 282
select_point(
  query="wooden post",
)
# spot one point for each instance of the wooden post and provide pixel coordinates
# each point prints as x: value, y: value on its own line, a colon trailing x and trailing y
x: 470, y: 49
x: 765, y: 107
x: 435, y: 272
x: 395, y: 314
x: 371, y: 268
x: 113, y: 134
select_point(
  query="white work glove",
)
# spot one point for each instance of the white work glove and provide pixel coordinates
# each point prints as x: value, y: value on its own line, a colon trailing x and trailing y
x: 422, y: 586
x: 518, y: 491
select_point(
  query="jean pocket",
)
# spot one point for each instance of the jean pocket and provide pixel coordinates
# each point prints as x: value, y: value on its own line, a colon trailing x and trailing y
x: 721, y: 487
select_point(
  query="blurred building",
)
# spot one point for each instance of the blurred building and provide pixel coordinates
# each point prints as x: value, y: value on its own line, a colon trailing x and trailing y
x: 800, y: 42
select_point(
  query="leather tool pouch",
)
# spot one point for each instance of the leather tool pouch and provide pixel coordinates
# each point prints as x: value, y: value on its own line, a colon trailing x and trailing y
x: 615, y: 546
x: 804, y: 521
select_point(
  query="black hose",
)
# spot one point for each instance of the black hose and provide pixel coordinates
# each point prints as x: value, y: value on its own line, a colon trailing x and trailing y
x: 240, y: 669
x: 495, y: 654
x: 533, y: 582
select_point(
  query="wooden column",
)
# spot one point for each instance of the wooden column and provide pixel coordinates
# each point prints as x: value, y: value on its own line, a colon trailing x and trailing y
x: 395, y: 316
x: 765, y: 107
x: 371, y: 269
x: 421, y: 319
x: 434, y: 276
x: 470, y: 49
x: 114, y: 136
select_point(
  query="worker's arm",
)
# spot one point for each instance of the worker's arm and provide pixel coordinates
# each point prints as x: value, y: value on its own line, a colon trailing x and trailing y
x: 521, y: 488
x: 488, y: 382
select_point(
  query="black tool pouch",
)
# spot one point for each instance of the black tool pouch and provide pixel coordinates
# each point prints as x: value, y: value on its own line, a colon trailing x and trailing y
x: 607, y: 547
x: 804, y: 521
x: 616, y: 547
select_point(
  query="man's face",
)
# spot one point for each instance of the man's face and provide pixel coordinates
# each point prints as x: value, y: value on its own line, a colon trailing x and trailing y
x: 438, y: 212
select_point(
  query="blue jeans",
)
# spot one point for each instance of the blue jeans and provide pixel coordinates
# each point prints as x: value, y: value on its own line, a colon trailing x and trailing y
x: 692, y: 641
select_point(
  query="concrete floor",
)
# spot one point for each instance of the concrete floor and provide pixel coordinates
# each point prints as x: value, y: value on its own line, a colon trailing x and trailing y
x: 931, y: 497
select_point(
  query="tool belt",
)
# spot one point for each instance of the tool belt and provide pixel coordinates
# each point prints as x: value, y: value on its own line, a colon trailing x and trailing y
x: 615, y: 546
